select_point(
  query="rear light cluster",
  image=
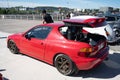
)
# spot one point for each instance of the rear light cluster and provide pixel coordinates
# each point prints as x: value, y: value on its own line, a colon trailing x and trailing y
x: 86, y: 50
x: 93, y: 21
x: 91, y: 51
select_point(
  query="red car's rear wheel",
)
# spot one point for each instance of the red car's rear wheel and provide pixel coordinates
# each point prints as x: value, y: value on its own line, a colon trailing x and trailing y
x: 65, y: 65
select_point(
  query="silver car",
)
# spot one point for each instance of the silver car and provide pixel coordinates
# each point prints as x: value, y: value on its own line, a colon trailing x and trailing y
x: 104, y: 30
x: 114, y: 22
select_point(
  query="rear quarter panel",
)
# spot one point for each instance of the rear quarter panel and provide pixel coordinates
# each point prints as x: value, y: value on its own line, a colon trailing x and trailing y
x: 56, y: 44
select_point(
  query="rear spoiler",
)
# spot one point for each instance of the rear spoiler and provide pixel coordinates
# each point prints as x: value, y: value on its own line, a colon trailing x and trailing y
x: 84, y: 23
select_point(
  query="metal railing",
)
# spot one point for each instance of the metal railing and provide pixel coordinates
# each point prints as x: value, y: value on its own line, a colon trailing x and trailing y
x: 31, y: 17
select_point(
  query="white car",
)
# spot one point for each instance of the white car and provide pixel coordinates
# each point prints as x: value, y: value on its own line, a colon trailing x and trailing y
x: 104, y: 29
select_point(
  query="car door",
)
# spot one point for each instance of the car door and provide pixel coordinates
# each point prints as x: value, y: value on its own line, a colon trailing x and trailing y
x: 34, y: 41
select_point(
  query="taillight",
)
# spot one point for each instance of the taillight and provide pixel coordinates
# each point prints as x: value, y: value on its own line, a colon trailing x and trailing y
x: 100, y: 20
x: 94, y: 21
x: 91, y: 51
x: 85, y: 52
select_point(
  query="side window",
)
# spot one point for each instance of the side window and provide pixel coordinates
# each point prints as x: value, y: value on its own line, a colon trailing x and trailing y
x: 40, y: 32
x: 110, y: 18
x: 63, y: 30
x: 71, y: 32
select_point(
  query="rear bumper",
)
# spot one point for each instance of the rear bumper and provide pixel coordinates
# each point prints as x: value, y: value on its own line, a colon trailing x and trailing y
x: 83, y: 63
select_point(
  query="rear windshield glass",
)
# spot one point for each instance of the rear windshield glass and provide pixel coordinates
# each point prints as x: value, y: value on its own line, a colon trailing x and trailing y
x: 110, y: 18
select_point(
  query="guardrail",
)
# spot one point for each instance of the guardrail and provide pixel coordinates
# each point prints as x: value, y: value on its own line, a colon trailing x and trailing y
x: 31, y: 17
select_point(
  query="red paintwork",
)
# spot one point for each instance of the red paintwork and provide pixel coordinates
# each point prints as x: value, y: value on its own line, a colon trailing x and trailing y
x: 93, y: 22
x: 55, y: 44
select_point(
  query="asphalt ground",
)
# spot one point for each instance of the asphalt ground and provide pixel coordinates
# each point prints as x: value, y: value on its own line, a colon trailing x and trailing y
x: 22, y: 67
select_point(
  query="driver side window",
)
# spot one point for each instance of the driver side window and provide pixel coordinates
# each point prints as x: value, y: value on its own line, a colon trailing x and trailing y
x: 40, y: 32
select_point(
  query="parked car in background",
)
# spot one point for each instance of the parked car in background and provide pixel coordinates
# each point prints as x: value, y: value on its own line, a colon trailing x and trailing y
x: 114, y: 22
x: 104, y: 29
x: 66, y: 45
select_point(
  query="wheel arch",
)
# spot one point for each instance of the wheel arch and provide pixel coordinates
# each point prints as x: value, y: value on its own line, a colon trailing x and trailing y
x: 74, y: 69
x: 14, y: 43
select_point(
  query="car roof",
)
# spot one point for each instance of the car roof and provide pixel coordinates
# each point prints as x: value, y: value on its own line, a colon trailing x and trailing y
x: 56, y: 24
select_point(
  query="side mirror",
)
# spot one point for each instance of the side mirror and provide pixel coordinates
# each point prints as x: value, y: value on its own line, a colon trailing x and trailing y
x: 28, y: 36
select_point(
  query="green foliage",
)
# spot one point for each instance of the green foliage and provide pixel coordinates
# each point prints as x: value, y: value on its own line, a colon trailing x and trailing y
x: 27, y: 10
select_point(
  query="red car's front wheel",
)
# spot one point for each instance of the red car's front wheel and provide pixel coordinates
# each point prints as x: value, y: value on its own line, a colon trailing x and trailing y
x: 12, y: 47
x: 65, y: 65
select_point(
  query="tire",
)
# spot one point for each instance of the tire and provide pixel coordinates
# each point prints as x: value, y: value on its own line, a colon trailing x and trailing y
x: 12, y: 47
x: 64, y: 65
x: 117, y: 33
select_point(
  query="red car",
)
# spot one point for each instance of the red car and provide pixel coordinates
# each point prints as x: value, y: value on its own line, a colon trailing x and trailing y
x: 65, y: 45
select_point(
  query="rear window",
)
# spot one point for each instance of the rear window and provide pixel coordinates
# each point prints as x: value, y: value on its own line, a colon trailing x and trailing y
x: 71, y: 32
x: 110, y: 19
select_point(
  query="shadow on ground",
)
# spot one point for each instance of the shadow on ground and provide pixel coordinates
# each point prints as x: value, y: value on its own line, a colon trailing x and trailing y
x: 3, y: 37
x: 1, y: 70
x: 108, y: 69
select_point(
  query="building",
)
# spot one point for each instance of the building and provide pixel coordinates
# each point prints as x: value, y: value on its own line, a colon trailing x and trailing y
x: 106, y: 10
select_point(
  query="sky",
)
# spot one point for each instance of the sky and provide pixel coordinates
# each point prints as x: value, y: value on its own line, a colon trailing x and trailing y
x: 79, y: 4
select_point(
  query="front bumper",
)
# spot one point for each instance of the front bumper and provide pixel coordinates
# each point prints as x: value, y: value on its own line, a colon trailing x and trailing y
x: 85, y: 63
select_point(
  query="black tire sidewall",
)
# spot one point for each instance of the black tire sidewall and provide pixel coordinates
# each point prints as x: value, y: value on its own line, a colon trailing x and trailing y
x: 117, y: 33
x: 16, y: 49
x: 70, y: 61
